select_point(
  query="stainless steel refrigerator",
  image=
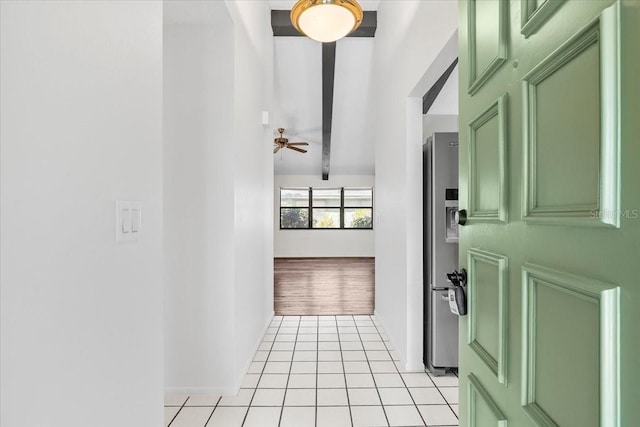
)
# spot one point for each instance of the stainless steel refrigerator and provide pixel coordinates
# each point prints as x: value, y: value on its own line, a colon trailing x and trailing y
x: 440, y: 254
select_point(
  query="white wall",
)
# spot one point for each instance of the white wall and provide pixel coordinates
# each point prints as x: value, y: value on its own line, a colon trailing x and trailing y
x: 446, y: 103
x: 439, y: 123
x: 218, y: 186
x: 409, y: 38
x: 321, y: 243
x: 81, y: 126
x: 198, y: 196
x: 253, y: 165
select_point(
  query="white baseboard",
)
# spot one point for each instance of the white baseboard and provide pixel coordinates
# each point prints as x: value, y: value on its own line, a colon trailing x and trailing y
x: 192, y: 391
x: 247, y: 364
x: 224, y: 391
x: 415, y: 366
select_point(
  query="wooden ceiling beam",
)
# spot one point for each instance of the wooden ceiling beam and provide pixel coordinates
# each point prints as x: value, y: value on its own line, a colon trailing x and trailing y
x: 328, y: 77
x: 430, y: 97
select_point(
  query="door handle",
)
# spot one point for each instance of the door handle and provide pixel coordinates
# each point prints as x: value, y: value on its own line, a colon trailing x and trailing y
x: 462, y: 217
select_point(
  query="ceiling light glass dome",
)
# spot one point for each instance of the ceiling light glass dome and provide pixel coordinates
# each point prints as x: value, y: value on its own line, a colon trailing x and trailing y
x: 326, y: 20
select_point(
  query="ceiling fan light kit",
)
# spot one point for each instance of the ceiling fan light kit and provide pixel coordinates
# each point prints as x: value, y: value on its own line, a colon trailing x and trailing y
x: 326, y: 20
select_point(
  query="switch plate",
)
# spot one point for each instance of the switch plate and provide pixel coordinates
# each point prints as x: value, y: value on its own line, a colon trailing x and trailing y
x: 128, y: 220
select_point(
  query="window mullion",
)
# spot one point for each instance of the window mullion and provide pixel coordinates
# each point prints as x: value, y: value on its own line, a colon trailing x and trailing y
x: 310, y: 208
x: 341, y: 207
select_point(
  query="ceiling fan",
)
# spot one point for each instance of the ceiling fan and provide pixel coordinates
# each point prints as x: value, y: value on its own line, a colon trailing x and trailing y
x: 282, y: 142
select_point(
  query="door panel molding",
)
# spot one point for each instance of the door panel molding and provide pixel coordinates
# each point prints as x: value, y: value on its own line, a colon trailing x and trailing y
x: 498, y: 109
x: 477, y: 78
x: 476, y: 390
x: 533, y: 17
x: 604, y: 211
x: 606, y: 297
x: 500, y: 263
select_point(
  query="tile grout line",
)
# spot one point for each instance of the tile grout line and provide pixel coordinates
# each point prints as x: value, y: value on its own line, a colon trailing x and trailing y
x: 284, y: 323
x: 344, y: 373
x: 286, y: 386
x: 371, y: 371
x: 214, y: 408
x: 244, y: 420
x: 179, y: 410
x: 445, y: 399
x: 455, y: 372
x: 400, y: 375
x: 409, y: 391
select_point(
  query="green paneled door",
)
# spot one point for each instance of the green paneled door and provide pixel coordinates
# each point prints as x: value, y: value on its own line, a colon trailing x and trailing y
x: 550, y: 179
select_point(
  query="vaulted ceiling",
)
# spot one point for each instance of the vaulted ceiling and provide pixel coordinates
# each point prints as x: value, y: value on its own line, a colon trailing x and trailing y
x: 298, y: 103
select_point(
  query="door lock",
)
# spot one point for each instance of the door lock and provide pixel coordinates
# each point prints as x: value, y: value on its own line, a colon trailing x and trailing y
x: 457, y: 296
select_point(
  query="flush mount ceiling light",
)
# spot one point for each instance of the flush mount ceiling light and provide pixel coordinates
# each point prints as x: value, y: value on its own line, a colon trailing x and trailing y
x: 326, y: 20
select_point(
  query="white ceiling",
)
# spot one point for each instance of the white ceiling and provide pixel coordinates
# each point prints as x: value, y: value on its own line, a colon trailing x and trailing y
x: 298, y: 96
x: 298, y: 106
x: 298, y: 103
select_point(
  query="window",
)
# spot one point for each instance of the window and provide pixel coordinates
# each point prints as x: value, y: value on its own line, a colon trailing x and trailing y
x: 294, y: 208
x: 326, y: 208
x: 358, y: 208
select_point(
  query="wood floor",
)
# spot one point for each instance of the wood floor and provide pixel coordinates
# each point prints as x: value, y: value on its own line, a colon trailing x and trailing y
x: 323, y: 286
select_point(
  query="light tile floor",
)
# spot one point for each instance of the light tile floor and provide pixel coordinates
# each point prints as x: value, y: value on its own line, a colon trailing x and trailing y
x: 324, y: 371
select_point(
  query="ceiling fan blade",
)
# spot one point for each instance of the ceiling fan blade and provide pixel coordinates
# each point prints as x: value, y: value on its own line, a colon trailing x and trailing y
x: 296, y: 149
x: 297, y: 143
x: 277, y: 148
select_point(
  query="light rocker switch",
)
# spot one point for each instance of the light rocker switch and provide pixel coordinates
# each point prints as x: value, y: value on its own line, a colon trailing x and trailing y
x: 125, y: 214
x: 128, y: 220
x: 135, y: 220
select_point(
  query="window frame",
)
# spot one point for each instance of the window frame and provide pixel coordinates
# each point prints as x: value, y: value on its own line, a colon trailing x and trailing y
x: 310, y: 208
x: 343, y: 207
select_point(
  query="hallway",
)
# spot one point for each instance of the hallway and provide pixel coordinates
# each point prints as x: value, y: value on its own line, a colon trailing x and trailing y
x: 324, y: 371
